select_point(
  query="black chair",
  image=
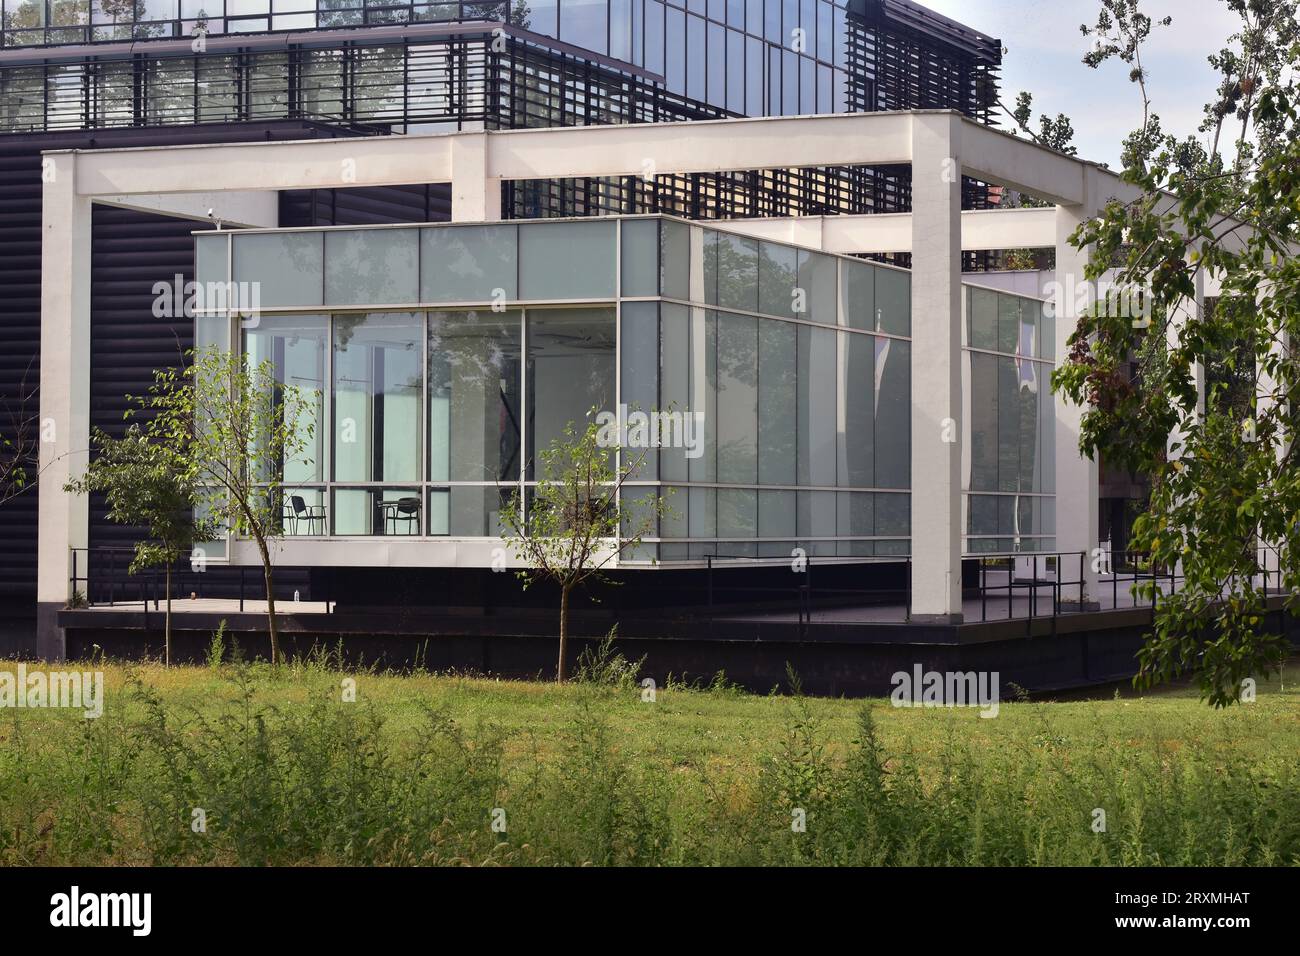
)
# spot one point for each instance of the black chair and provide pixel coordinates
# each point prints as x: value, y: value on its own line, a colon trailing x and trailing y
x: 405, y: 510
x: 308, y: 513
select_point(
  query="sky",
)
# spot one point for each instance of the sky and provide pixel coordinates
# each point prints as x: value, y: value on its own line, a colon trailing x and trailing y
x: 1044, y: 51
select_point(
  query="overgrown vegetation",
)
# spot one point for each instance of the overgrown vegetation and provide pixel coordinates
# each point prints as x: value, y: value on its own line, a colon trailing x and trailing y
x: 244, y: 763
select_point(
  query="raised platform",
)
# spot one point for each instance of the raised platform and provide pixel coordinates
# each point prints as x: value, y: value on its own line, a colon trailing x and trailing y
x: 843, y: 649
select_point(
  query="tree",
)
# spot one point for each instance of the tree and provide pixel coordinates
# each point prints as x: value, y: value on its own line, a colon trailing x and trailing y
x: 233, y: 427
x: 1225, y: 501
x: 1057, y: 134
x: 18, y: 443
x: 146, y: 485
x: 576, y: 523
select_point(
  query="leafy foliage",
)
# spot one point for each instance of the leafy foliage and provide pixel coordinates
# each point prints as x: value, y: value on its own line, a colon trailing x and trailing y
x: 576, y: 525
x: 232, y: 426
x: 1225, y: 502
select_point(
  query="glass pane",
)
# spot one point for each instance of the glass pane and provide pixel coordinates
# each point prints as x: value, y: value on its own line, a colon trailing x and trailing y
x: 1008, y: 323
x: 776, y: 514
x: 570, y: 374
x: 737, y: 399
x: 816, y: 519
x: 856, y: 455
x: 640, y: 251
x: 675, y: 259
x: 859, y: 281
x: 1008, y: 425
x: 777, y: 279
x: 304, y: 512
x: 737, y: 513
x: 639, y: 352
x: 620, y: 29
x: 212, y: 331
x: 377, y: 511
x: 371, y: 267
x: 469, y: 264
x: 893, y: 301
x: 856, y: 519
x: 704, y: 392
x: 982, y: 318
x: 983, y: 377
x: 675, y: 385
x: 893, y: 446
x: 702, y: 522
x: 583, y: 23
x: 737, y: 272
x: 817, y: 280
x: 378, y: 394
x: 566, y: 260
x: 474, y: 395
x: 476, y: 512
x: 284, y: 268
x: 893, y: 516
x: 817, y: 408
x: 295, y: 347
x: 777, y: 402
x: 210, y: 260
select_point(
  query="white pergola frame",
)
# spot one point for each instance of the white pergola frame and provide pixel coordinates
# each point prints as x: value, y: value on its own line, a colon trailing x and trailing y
x: 940, y: 146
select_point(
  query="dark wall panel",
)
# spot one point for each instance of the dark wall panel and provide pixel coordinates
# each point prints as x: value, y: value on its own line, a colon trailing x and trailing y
x: 366, y: 206
x: 131, y: 337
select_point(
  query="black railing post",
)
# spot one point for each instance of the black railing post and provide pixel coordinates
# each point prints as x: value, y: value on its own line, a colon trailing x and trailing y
x: 908, y: 613
x: 74, y: 574
x: 708, y: 560
x: 112, y: 575
x: 984, y: 591
x: 1033, y: 594
x: 1083, y: 556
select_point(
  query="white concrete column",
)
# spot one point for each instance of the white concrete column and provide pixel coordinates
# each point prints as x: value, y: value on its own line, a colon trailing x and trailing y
x: 1188, y: 311
x: 65, y: 392
x: 475, y: 197
x: 936, y: 367
x: 1076, y: 475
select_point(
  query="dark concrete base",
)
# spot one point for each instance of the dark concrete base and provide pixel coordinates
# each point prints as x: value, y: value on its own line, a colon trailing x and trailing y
x: 942, y: 620
x: 51, y: 639
x: 1042, y: 655
x: 1080, y: 607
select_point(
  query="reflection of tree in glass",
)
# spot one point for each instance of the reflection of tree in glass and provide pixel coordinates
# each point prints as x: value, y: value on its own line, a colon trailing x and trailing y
x: 469, y: 351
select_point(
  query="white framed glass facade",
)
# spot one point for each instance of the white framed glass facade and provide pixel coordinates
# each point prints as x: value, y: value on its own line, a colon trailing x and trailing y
x: 767, y: 385
x: 1010, y: 478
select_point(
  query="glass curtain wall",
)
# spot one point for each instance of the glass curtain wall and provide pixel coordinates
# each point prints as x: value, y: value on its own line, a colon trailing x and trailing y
x: 752, y: 57
x: 767, y: 386
x: 1011, y: 434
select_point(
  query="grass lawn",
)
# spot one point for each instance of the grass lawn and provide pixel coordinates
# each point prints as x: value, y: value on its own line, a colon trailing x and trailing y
x: 418, y: 768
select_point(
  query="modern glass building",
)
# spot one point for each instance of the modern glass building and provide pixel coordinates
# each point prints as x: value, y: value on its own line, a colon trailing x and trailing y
x: 88, y: 74
x: 763, y: 388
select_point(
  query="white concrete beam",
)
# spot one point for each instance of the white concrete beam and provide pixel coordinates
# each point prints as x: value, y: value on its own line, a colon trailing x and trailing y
x: 255, y: 210
x: 937, y: 151
x: 633, y: 149
x: 882, y: 233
